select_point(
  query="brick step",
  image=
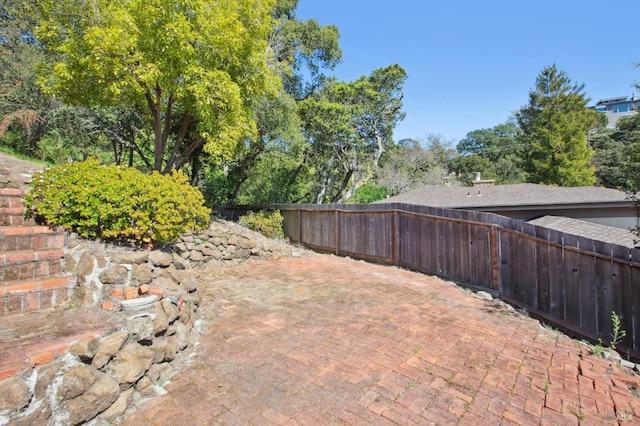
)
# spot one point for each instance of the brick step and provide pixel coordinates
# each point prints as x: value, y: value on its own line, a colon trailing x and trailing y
x: 34, y: 294
x: 29, y: 264
x: 11, y: 208
x: 34, y: 349
x: 17, y: 238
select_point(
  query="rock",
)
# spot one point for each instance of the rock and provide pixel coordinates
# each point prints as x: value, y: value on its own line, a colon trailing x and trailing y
x: 141, y: 327
x: 484, y: 295
x: 46, y: 374
x: 160, y: 319
x: 76, y: 381
x: 182, y: 333
x: 85, y: 349
x: 160, y: 258
x: 179, y: 262
x: 196, y: 256
x: 135, y: 258
x: 86, y: 265
x: 84, y: 295
x: 170, y: 309
x: 114, y: 274
x: 141, y: 274
x: 173, y: 347
x: 40, y: 415
x: 246, y: 243
x: 118, y: 408
x: 167, y: 284
x: 159, y: 348
x: 14, y: 394
x: 158, y: 371
x: 130, y: 364
x: 188, y: 282
x: 97, y: 398
x: 70, y: 265
x: 243, y: 253
x: 143, y: 383
x: 109, y: 346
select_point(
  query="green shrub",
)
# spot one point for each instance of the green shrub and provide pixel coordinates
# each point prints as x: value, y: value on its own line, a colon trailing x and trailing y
x: 112, y: 202
x: 267, y: 223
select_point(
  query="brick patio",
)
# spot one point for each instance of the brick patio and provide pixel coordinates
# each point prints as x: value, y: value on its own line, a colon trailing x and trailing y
x: 327, y: 340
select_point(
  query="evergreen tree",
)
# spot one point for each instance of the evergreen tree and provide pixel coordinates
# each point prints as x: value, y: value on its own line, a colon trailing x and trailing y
x: 554, y: 126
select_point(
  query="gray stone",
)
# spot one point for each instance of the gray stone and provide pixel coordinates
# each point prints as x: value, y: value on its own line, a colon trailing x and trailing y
x: 118, y: 408
x: 170, y: 309
x: 246, y: 243
x: 135, y: 258
x: 114, y: 274
x: 182, y: 333
x: 141, y: 328
x: 83, y: 295
x: 196, y: 256
x: 141, y: 274
x: 179, y: 262
x: 14, y: 394
x: 160, y: 258
x: 188, y: 282
x: 166, y: 284
x: 109, y: 346
x: 243, y: 253
x: 130, y: 364
x: 85, y: 349
x: 97, y: 398
x: 484, y: 295
x: 158, y: 371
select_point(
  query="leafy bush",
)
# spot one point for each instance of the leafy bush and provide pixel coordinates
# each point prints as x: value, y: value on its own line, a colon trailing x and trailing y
x: 267, y: 223
x: 112, y: 202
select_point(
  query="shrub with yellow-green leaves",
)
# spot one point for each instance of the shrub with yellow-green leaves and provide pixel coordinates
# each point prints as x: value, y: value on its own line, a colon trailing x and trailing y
x: 268, y: 223
x: 116, y: 203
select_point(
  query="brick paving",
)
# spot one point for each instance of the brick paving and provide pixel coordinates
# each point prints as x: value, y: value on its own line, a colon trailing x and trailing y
x: 327, y: 340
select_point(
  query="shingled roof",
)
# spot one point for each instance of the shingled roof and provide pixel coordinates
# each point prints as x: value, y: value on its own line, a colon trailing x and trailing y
x: 517, y: 195
x: 589, y: 230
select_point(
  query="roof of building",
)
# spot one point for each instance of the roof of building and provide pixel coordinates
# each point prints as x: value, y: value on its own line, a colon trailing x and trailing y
x: 612, y: 100
x: 517, y: 195
x: 590, y: 230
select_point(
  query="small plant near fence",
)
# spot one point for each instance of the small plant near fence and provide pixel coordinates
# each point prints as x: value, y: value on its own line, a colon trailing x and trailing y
x: 268, y: 223
x: 616, y: 336
x: 116, y: 203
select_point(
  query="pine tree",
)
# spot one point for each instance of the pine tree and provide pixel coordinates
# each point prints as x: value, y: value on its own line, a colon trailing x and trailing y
x: 554, y: 126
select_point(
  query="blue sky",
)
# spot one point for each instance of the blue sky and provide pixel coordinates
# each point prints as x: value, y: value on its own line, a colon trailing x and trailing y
x: 471, y: 63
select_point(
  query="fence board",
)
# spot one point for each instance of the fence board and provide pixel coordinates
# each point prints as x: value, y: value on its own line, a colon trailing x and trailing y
x: 571, y: 264
x: 604, y: 294
x: 588, y: 301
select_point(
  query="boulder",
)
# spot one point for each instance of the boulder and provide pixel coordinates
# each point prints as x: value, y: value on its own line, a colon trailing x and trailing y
x: 97, y: 397
x: 85, y: 349
x: 118, y: 408
x: 109, y: 346
x: 14, y: 394
x: 133, y: 258
x: 76, y: 381
x: 141, y: 274
x: 86, y: 265
x: 114, y: 274
x: 130, y: 364
x: 160, y: 258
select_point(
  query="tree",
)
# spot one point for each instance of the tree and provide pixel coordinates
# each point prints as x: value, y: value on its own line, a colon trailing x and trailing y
x: 349, y: 126
x: 495, y: 153
x: 192, y: 69
x: 411, y: 164
x: 554, y: 127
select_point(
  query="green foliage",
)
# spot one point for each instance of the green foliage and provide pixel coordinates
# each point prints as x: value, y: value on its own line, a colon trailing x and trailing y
x: 192, y: 68
x: 495, y: 153
x: 554, y: 127
x: 618, y: 333
x: 116, y: 202
x: 368, y: 193
x: 268, y: 223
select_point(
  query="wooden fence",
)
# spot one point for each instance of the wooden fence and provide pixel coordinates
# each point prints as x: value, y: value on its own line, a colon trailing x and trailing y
x: 573, y: 282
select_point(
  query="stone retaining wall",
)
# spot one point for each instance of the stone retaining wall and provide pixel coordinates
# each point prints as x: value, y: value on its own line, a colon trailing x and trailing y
x: 155, y: 293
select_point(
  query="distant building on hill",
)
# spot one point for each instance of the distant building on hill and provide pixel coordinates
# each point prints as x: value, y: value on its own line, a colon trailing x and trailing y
x: 617, y: 108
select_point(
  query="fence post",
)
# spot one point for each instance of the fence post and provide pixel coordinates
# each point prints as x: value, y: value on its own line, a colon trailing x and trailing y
x: 495, y: 259
x: 337, y: 231
x: 300, y: 226
x: 396, y: 237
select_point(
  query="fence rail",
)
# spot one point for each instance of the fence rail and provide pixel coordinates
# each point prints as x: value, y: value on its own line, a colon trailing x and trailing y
x: 573, y: 282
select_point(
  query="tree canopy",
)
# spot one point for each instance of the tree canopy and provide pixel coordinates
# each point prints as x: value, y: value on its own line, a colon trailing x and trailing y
x: 554, y: 127
x: 193, y: 69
